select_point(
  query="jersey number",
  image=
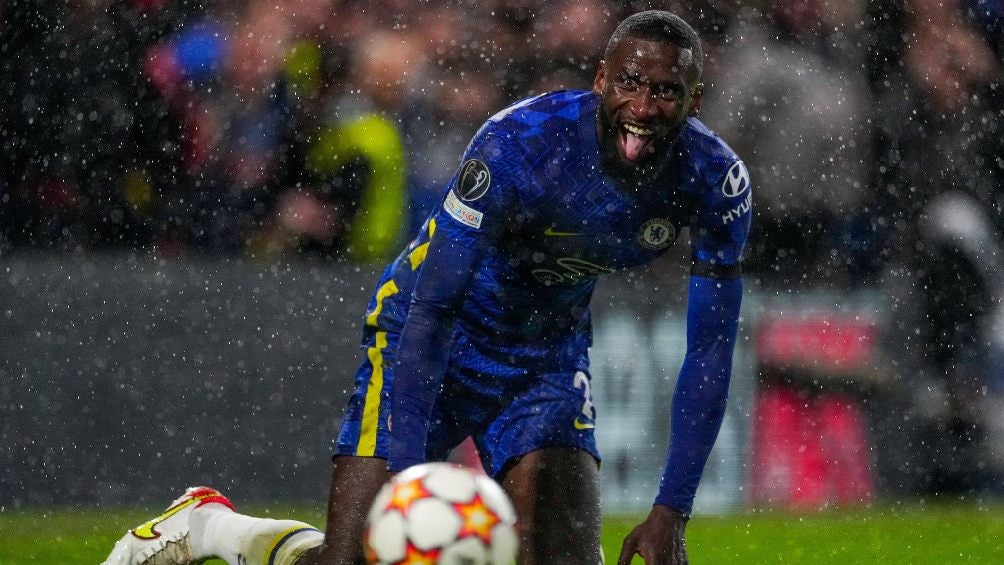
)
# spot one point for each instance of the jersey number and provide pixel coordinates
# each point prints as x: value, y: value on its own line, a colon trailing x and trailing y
x: 587, y: 415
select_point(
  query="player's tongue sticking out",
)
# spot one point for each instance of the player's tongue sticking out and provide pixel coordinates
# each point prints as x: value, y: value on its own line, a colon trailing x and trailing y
x: 635, y: 140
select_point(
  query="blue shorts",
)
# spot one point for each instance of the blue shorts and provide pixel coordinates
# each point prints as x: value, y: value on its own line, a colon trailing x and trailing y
x: 507, y: 420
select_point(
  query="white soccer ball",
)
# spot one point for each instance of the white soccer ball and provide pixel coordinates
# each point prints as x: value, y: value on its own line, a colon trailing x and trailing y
x: 440, y: 513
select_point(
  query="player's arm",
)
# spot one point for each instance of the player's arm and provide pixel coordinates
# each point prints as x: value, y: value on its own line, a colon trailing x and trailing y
x: 714, y: 299
x: 425, y: 346
x: 698, y: 410
x: 702, y: 387
x: 474, y: 216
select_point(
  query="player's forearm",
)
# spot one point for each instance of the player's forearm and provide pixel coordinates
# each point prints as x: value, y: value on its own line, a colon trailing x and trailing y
x: 698, y: 411
x: 702, y: 388
x: 422, y: 358
x: 423, y: 352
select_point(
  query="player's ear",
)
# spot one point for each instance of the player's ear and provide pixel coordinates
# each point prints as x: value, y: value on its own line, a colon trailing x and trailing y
x: 601, y: 75
x: 696, y: 99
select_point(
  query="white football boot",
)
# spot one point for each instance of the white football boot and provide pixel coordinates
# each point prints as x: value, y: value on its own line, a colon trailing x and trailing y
x: 165, y: 539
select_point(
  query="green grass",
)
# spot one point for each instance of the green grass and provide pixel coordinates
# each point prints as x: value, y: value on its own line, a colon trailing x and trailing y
x: 886, y: 535
x: 890, y: 534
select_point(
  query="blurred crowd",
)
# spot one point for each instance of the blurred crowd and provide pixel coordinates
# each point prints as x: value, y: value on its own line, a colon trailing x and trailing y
x: 265, y: 129
x: 328, y: 127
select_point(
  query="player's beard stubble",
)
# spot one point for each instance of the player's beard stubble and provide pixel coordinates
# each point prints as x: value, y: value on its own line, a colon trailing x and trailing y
x: 649, y: 162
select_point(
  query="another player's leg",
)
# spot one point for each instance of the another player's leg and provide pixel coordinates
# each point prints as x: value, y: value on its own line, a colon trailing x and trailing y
x: 202, y: 524
x: 355, y: 482
x: 247, y: 540
x: 555, y: 491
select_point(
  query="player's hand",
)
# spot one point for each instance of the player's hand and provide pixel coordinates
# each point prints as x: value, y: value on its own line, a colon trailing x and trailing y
x: 658, y: 540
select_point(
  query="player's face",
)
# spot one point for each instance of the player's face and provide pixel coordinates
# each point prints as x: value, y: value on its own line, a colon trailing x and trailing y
x: 647, y: 90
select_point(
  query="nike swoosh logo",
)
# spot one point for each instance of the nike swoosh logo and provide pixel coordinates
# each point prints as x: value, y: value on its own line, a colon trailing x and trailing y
x: 582, y: 426
x: 146, y: 531
x: 551, y: 232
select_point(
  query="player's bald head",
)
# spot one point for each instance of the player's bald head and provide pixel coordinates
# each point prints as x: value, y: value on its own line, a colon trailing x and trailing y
x: 665, y: 27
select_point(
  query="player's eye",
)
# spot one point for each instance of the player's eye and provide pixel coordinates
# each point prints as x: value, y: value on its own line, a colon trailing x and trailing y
x: 628, y: 82
x: 667, y: 93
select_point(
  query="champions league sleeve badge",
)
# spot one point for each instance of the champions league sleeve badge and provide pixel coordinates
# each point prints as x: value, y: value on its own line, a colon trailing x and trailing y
x: 473, y: 181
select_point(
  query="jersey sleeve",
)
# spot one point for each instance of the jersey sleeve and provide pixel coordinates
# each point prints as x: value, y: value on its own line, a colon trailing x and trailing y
x: 719, y: 235
x: 476, y: 213
x: 482, y: 203
x: 424, y: 348
x: 713, y: 304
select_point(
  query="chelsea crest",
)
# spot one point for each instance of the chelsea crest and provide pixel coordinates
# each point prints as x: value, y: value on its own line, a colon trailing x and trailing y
x: 657, y: 233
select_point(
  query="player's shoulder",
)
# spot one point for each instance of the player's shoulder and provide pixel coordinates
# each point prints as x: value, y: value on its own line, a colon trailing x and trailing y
x: 712, y: 161
x: 551, y: 109
x: 705, y: 147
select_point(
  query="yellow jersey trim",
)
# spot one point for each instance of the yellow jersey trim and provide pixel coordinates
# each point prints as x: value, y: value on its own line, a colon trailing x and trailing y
x: 417, y: 256
x: 371, y: 409
x: 386, y: 290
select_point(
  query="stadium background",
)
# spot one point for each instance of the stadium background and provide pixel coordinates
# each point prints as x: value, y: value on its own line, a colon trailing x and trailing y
x: 195, y: 197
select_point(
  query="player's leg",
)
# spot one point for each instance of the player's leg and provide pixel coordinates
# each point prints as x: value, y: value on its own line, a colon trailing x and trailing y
x: 359, y: 467
x: 541, y: 448
x: 248, y: 540
x: 202, y: 523
x: 555, y: 491
x: 355, y: 482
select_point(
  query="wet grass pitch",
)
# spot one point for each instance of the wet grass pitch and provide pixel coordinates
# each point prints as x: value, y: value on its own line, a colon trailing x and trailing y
x: 886, y: 533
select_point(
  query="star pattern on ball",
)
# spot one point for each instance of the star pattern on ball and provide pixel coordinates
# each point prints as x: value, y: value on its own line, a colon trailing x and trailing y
x: 406, y: 494
x: 416, y: 556
x: 478, y: 519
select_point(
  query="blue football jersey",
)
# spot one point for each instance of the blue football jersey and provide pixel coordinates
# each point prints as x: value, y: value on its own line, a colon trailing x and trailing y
x: 532, y: 195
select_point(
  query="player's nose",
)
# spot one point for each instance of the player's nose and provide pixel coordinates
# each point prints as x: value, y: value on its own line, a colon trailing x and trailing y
x: 643, y: 104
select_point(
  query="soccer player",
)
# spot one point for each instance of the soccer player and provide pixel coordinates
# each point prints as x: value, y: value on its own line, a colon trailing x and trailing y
x: 481, y: 327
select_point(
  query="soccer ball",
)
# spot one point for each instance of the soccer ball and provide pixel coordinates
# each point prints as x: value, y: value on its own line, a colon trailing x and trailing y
x: 440, y: 513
